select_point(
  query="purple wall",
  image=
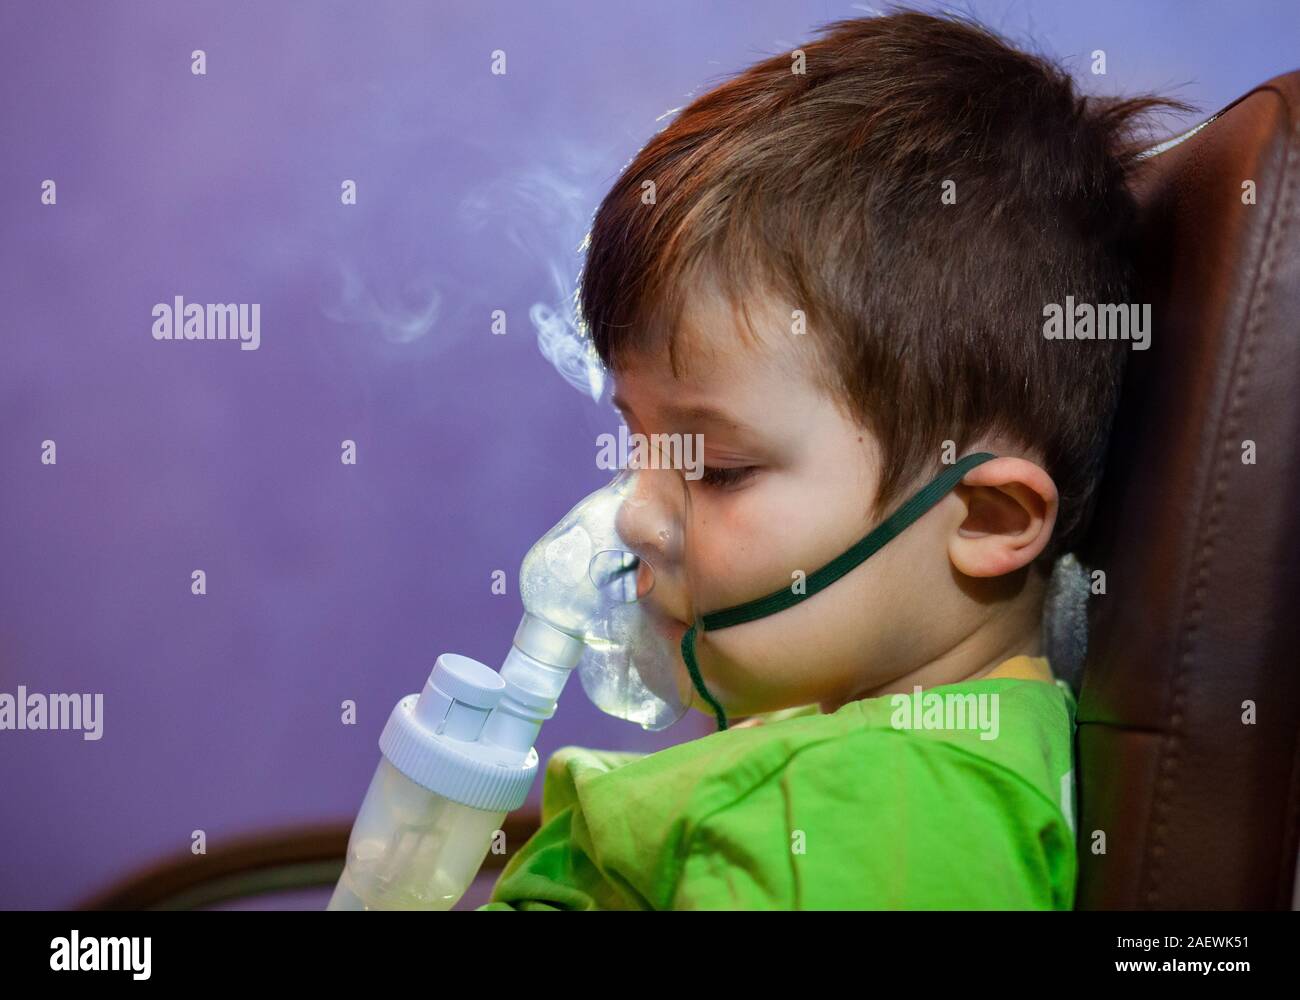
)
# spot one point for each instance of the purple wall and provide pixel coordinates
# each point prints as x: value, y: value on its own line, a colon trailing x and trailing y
x: 328, y: 582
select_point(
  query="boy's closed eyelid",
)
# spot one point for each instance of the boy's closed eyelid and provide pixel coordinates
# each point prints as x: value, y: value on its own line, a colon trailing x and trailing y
x: 723, y: 477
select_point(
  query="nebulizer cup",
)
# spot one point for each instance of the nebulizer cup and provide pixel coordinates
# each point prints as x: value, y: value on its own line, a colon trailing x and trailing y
x: 459, y: 756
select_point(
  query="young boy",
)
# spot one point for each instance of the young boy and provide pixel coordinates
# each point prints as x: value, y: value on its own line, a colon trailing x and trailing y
x: 839, y: 278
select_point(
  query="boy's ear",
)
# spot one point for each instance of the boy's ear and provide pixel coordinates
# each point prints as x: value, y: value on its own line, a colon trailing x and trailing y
x: 1011, y: 506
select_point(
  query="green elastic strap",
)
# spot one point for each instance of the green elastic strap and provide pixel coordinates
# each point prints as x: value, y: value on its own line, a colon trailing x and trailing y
x: 847, y: 560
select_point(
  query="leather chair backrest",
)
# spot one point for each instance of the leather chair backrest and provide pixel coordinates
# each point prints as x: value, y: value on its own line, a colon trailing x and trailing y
x: 1189, y: 709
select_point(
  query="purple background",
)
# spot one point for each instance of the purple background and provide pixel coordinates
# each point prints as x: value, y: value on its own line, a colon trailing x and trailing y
x: 329, y: 582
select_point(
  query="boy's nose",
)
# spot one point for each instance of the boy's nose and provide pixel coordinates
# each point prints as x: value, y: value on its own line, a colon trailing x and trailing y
x: 650, y: 520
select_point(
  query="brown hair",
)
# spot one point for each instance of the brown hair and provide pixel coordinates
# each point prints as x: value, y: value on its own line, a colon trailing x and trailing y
x: 824, y: 187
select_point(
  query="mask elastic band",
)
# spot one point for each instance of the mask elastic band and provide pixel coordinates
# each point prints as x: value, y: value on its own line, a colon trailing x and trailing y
x: 851, y: 558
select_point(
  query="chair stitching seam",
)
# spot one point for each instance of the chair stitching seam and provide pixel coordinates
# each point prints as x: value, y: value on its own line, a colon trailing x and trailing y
x: 1171, y: 758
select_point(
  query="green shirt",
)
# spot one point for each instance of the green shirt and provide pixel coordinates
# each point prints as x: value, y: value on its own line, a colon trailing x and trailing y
x: 867, y: 807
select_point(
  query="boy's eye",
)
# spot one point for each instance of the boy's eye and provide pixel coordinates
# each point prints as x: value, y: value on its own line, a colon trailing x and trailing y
x: 718, y: 476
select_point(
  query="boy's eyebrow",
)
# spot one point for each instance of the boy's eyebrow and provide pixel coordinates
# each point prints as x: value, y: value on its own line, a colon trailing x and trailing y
x: 696, y: 413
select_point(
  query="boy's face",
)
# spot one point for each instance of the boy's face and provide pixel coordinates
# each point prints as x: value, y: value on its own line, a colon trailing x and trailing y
x: 786, y: 487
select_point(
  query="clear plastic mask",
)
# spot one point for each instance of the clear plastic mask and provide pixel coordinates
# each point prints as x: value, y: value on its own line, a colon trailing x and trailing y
x: 611, y: 573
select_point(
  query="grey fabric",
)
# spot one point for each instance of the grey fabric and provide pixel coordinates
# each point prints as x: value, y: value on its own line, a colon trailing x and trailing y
x: 1065, y: 620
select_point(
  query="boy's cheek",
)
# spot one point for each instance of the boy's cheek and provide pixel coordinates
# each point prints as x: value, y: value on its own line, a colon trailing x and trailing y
x: 731, y: 570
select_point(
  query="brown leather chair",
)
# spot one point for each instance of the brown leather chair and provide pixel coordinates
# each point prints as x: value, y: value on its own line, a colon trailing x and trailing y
x: 1201, y: 551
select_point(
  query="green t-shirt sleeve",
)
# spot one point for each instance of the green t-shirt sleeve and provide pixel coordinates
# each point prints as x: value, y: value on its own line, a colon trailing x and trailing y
x: 543, y: 876
x: 555, y: 869
x: 880, y: 820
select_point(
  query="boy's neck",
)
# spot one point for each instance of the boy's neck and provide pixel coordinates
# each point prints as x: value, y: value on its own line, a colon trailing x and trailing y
x: 1018, y: 633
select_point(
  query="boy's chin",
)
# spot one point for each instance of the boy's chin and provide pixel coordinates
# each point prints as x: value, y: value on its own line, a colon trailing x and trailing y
x: 670, y: 628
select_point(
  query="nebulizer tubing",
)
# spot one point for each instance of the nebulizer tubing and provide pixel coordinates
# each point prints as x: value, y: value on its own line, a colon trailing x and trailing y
x: 460, y: 755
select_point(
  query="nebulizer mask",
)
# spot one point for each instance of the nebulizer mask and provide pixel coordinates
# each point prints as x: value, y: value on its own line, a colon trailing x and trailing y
x: 608, y: 591
x: 603, y: 593
x: 612, y: 572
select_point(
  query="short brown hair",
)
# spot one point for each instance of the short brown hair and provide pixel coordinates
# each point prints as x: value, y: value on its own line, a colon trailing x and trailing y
x: 825, y: 188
